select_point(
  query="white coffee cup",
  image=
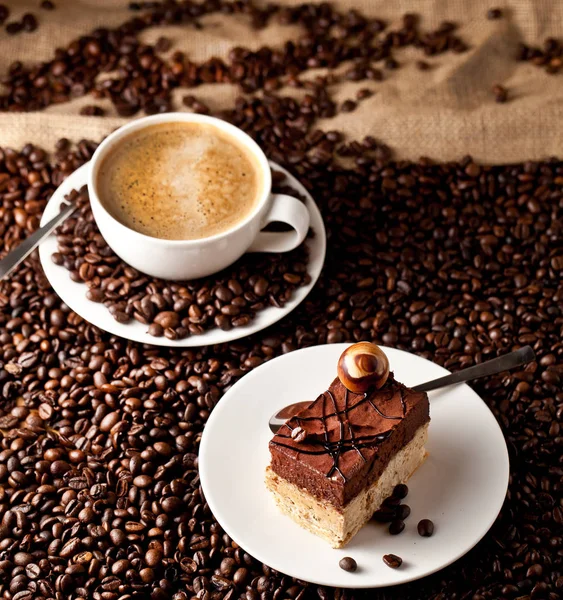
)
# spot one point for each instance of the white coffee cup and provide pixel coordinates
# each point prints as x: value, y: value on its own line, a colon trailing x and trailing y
x: 190, y: 259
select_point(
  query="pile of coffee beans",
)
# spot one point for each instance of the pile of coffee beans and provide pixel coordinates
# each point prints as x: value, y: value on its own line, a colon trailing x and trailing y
x: 99, y: 491
x: 393, y: 511
x: 142, y: 79
x: 228, y: 299
x: 27, y: 23
x: 550, y: 57
x: 457, y: 262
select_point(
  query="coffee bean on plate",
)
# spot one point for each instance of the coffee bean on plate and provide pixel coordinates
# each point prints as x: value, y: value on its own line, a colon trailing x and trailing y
x: 392, y: 560
x: 396, y: 527
x: 425, y: 528
x: 348, y: 564
x: 403, y: 511
x: 385, y: 514
x: 400, y: 491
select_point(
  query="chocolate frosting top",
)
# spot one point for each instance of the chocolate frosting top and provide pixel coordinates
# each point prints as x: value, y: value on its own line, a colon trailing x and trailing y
x: 340, y: 434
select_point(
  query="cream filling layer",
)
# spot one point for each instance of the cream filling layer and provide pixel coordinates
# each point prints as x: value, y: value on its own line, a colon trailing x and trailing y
x: 336, y: 526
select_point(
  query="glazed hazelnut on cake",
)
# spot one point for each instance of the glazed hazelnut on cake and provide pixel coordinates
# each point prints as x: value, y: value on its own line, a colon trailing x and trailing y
x: 336, y: 461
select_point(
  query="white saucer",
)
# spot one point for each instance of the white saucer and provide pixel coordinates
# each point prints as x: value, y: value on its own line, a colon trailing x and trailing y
x: 74, y: 294
x: 460, y: 487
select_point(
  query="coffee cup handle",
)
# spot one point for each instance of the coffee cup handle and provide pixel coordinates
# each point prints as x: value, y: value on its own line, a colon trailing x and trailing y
x: 284, y: 209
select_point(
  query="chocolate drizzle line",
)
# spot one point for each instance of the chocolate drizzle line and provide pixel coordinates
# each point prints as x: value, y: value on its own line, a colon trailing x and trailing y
x: 337, y: 448
x: 335, y: 454
x: 352, y: 435
x: 380, y: 413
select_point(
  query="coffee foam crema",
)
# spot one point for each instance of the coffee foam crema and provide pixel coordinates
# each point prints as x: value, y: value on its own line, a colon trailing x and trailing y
x: 179, y: 181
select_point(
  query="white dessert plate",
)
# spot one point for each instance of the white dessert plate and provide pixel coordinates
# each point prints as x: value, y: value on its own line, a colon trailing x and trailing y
x: 460, y: 487
x: 74, y: 294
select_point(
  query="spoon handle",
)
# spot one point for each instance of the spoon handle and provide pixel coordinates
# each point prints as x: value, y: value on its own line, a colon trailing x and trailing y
x: 21, y: 252
x: 491, y: 367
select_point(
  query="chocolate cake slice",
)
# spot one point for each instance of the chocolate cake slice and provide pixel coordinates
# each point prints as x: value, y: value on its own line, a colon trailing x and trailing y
x: 334, y: 463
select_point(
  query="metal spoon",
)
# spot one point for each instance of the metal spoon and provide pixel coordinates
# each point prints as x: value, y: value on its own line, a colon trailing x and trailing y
x: 21, y: 252
x: 490, y: 367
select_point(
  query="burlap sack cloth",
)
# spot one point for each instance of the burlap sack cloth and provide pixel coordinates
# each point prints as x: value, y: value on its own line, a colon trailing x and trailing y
x: 444, y: 113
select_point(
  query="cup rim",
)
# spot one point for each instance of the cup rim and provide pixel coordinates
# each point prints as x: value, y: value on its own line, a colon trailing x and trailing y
x: 175, y: 117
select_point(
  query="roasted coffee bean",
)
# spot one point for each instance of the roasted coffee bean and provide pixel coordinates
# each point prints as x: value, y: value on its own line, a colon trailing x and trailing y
x: 92, y: 111
x: 348, y: 106
x: 45, y: 411
x: 403, y: 511
x: 500, y: 93
x: 153, y: 557
x: 29, y: 22
x: 299, y: 434
x: 396, y: 527
x: 384, y: 514
x: 392, y: 560
x: 156, y: 330
x: 494, y: 13
x: 32, y: 571
x: 240, y: 576
x: 163, y: 44
x: 22, y: 558
x: 400, y: 491
x: 425, y: 528
x: 348, y: 564
x: 14, y: 27
x: 547, y: 57
x: 363, y: 94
